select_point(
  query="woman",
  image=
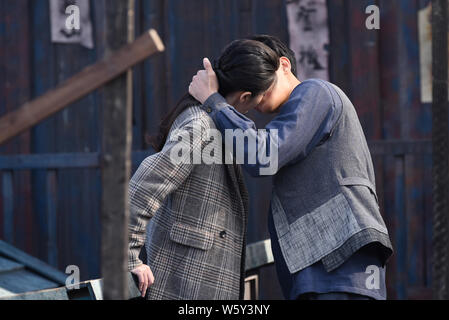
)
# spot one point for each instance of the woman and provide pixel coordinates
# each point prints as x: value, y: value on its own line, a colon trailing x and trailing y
x: 192, y: 217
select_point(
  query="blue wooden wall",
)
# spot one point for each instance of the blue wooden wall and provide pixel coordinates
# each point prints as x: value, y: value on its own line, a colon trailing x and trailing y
x: 54, y: 212
x: 380, y: 71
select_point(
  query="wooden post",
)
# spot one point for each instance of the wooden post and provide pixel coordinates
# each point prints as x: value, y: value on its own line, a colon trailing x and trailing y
x: 440, y: 137
x: 116, y: 164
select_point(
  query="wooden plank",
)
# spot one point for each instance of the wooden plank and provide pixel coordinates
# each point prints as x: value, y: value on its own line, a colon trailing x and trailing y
x: 411, y: 114
x: 48, y: 161
x: 7, y: 265
x: 270, y: 17
x: 425, y: 129
x: 339, y: 55
x: 79, y: 85
x: 20, y: 281
x: 61, y: 160
x: 76, y: 226
x: 156, y: 72
x: 364, y: 47
x: 391, y: 123
x: 258, y: 254
x: 15, y: 66
x: 52, y: 204
x: 49, y: 294
x: 8, y: 206
x: 401, y: 230
x: 388, y: 63
x: 44, y: 134
x: 252, y: 288
x: 428, y: 221
x: 15, y: 87
x: 416, y: 258
x: 364, y: 58
x: 245, y: 18
x: 138, y: 93
x: 32, y: 263
x: 400, y: 147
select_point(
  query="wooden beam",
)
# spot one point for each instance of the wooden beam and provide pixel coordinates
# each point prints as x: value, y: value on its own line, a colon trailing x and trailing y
x: 82, y: 160
x: 78, y: 86
x: 116, y: 164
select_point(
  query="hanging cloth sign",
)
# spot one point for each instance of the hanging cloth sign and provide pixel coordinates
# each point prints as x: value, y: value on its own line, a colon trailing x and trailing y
x: 309, y: 37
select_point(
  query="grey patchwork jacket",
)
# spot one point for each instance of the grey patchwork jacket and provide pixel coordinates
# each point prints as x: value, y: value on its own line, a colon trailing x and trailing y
x: 192, y: 219
x: 325, y: 207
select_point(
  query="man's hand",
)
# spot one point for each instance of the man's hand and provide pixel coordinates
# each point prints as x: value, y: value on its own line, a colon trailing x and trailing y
x: 205, y: 83
x: 146, y: 278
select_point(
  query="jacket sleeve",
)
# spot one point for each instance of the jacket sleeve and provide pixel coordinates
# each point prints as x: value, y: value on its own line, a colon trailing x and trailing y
x: 303, y: 121
x: 156, y: 178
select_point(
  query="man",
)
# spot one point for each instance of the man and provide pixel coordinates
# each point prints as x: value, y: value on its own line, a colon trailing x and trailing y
x: 328, y: 237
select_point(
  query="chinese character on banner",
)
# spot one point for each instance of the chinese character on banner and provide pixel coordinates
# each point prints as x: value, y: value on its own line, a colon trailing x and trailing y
x: 309, y: 37
x: 70, y: 22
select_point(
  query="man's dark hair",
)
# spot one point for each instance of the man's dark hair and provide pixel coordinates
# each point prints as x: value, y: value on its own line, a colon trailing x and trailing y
x: 279, y: 47
x: 244, y: 65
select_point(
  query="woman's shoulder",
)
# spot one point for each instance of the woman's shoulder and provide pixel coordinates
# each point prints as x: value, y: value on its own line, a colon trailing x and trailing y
x: 194, y: 114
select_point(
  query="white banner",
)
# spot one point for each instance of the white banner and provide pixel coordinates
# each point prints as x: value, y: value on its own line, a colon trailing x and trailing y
x: 309, y: 37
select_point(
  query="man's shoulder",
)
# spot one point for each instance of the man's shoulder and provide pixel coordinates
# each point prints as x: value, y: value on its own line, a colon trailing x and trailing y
x: 318, y: 84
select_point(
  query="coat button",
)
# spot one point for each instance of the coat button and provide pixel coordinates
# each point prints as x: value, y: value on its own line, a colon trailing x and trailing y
x: 223, y: 234
x: 209, y: 110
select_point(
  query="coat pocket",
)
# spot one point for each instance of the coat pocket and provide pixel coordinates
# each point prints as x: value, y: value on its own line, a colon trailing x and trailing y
x: 191, y: 236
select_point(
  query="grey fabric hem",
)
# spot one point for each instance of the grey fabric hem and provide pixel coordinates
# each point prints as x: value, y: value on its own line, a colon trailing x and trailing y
x: 337, y: 257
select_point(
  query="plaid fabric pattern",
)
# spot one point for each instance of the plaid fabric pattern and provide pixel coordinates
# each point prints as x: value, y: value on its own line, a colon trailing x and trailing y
x: 192, y: 219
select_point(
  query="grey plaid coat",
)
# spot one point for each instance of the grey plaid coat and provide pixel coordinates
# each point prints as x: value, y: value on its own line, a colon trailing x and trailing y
x: 192, y: 219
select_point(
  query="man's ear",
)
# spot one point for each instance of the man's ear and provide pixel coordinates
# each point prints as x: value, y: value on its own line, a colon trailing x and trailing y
x: 245, y: 97
x: 285, y: 64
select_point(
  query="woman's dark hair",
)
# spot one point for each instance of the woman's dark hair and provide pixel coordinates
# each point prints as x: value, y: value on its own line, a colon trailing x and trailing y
x: 279, y: 47
x: 244, y: 65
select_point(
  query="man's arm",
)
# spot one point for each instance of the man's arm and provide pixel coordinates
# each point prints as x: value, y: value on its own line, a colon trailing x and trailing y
x: 304, y: 121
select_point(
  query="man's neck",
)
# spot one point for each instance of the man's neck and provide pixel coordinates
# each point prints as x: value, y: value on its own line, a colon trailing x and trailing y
x: 293, y: 82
